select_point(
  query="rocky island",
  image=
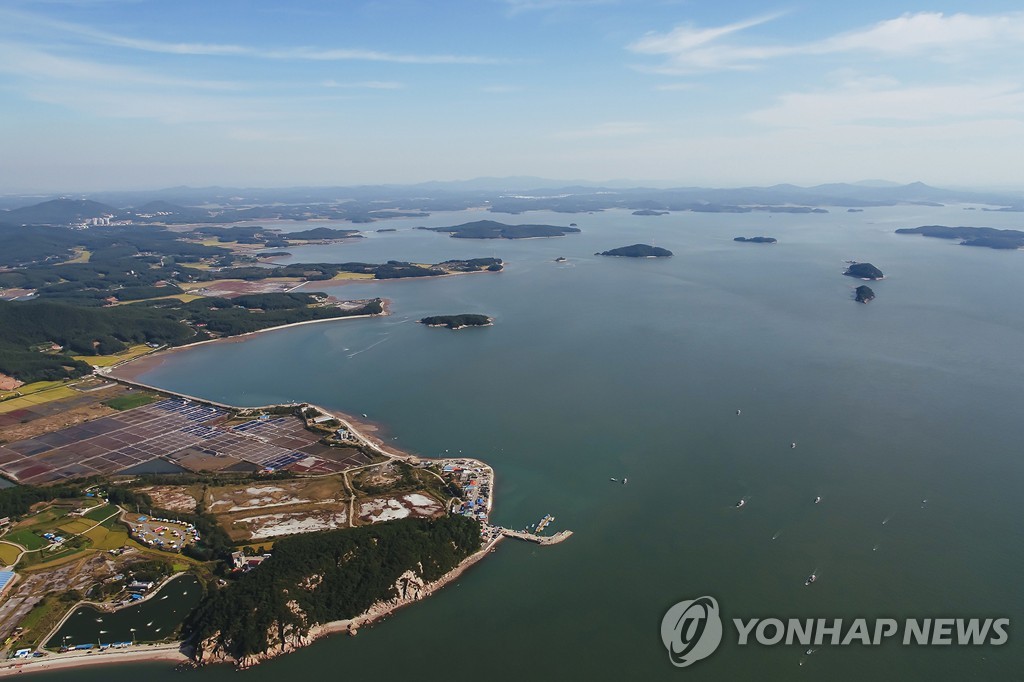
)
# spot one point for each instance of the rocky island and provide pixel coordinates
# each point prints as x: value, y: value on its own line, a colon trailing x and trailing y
x: 491, y: 229
x: 756, y: 240
x: 989, y: 237
x: 637, y: 251
x: 863, y: 271
x: 864, y: 294
x: 457, y: 321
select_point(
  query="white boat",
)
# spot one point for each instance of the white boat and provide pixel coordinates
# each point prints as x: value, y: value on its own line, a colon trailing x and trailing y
x: 817, y: 499
x: 613, y: 479
x: 624, y: 481
x: 737, y: 413
x: 792, y: 445
x: 810, y: 579
x: 740, y: 503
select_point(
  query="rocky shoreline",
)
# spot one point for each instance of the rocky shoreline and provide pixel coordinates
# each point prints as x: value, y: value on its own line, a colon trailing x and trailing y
x: 409, y: 587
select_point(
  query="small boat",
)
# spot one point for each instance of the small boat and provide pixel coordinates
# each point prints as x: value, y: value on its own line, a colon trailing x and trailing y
x: 737, y: 413
x: 817, y: 499
x: 364, y: 415
x: 810, y: 579
x: 613, y: 479
x: 624, y: 481
x: 740, y: 503
x: 792, y: 445
x: 809, y: 652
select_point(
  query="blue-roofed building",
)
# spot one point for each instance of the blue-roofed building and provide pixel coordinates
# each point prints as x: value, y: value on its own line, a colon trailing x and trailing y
x: 6, y: 578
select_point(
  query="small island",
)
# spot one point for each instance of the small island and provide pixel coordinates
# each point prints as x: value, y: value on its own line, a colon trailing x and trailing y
x: 637, y: 251
x: 756, y: 240
x: 491, y: 229
x: 387, y: 229
x: 647, y: 211
x: 863, y: 271
x: 864, y: 294
x: 458, y: 321
x: 989, y: 237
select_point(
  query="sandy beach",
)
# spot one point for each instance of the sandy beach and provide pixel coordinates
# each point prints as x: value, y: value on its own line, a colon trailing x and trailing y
x: 136, y: 367
x: 139, y: 654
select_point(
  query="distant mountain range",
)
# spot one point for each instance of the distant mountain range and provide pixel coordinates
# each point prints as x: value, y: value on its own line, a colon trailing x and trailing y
x: 500, y: 195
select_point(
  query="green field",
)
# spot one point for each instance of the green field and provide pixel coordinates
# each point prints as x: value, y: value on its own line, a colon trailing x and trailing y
x: 27, y: 539
x: 130, y: 400
x: 100, y: 513
x: 107, y: 538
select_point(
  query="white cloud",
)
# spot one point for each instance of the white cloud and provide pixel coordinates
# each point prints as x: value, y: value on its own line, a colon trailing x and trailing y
x: 689, y: 49
x: 873, y: 103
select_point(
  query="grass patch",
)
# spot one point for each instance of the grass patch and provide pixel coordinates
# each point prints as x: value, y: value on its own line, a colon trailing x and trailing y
x: 131, y: 400
x: 353, y: 275
x: 47, y: 396
x: 82, y: 255
x: 9, y: 553
x: 104, y: 538
x: 185, y: 298
x: 27, y: 539
x: 108, y: 360
x: 101, y: 513
x: 75, y: 526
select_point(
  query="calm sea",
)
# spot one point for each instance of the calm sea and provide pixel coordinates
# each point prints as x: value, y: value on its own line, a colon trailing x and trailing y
x: 604, y: 367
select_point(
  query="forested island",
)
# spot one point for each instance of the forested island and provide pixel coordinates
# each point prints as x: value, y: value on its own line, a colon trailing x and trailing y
x: 989, y: 237
x: 864, y: 294
x: 457, y: 321
x: 490, y: 229
x: 648, y: 211
x: 38, y: 338
x: 637, y: 251
x: 756, y: 240
x: 318, y: 578
x: 863, y: 271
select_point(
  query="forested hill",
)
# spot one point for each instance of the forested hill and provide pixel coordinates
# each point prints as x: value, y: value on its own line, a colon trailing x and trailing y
x: 322, y: 577
x: 28, y: 328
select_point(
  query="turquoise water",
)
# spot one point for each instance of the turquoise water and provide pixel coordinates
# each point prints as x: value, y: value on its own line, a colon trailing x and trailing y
x: 604, y: 367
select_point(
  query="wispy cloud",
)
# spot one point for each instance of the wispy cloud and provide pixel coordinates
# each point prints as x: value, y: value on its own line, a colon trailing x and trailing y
x: 688, y: 49
x: 309, y: 53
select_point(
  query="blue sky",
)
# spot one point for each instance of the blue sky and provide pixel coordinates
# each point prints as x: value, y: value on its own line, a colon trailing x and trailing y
x: 108, y: 94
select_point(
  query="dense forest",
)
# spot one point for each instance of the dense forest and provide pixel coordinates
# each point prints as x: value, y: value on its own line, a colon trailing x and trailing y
x: 638, y: 251
x: 864, y: 294
x: 327, y: 576
x: 989, y: 237
x: 863, y: 271
x: 456, y: 321
x: 17, y: 500
x: 24, y: 326
x: 491, y: 229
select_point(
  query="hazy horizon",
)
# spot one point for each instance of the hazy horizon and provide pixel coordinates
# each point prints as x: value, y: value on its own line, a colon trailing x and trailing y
x: 122, y: 94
